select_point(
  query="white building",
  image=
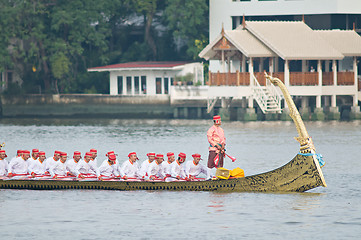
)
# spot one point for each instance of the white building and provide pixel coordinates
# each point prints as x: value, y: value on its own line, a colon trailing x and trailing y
x: 148, y: 78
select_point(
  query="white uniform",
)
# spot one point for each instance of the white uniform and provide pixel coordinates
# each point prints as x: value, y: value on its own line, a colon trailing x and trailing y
x: 108, y: 170
x: 144, y: 168
x: 85, y: 168
x: 194, y: 170
x: 166, y: 166
x: 72, y: 166
x: 94, y: 164
x: 31, y: 160
x: 59, y: 168
x: 49, y: 163
x: 129, y: 169
x: 175, y: 170
x: 4, y: 166
x: 18, y: 166
x: 155, y: 169
x: 37, y: 167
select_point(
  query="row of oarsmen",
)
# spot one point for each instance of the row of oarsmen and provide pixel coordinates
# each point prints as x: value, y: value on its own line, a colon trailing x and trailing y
x: 59, y: 166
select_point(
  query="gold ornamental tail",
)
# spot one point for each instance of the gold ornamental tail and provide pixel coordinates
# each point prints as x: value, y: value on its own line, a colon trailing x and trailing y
x: 303, y: 138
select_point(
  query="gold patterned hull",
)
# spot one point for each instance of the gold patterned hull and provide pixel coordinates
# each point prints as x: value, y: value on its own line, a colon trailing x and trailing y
x: 300, y: 174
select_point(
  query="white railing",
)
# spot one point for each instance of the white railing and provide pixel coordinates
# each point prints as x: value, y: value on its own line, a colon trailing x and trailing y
x: 267, y: 97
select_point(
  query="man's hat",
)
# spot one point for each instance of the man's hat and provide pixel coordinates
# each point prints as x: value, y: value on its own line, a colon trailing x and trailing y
x: 132, y: 154
x: 77, y: 153
x: 151, y: 154
x: 170, y: 154
x: 182, y: 155
x: 26, y: 151
x: 3, y: 151
x: 41, y: 153
x: 196, y: 155
x: 63, y: 154
x: 217, y: 117
x: 159, y: 155
x: 89, y: 154
x: 93, y: 150
x: 35, y: 150
x: 57, y: 152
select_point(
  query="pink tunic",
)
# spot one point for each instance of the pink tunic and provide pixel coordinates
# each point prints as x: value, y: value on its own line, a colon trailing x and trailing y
x: 215, y: 135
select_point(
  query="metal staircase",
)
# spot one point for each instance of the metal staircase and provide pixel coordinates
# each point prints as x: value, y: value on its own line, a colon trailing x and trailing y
x: 267, y: 97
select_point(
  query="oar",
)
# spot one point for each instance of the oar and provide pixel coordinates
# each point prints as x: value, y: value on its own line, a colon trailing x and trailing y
x: 232, y: 158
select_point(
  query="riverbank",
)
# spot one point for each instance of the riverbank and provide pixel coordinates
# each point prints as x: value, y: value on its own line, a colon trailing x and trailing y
x: 142, y: 106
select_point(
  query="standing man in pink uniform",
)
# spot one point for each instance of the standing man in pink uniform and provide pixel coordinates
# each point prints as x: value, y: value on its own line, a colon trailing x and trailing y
x: 217, y: 143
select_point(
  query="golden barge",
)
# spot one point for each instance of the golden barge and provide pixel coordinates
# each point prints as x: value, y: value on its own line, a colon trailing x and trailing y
x: 302, y: 173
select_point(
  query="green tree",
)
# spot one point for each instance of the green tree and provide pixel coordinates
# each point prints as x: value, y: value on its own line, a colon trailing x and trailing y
x: 188, y: 20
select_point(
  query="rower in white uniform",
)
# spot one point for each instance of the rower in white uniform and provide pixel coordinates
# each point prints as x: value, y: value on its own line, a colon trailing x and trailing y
x: 166, y: 164
x: 19, y: 153
x: 85, y: 169
x: 73, y: 163
x: 38, y: 167
x: 177, y: 169
x: 34, y: 156
x: 4, y: 166
x: 93, y: 160
x: 59, y: 169
x: 19, y: 165
x: 155, y: 169
x: 130, y: 168
x: 51, y: 161
x: 194, y: 168
x: 108, y: 167
x: 144, y: 167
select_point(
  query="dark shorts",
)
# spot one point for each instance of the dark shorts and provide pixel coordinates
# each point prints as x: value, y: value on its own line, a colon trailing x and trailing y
x: 211, y: 156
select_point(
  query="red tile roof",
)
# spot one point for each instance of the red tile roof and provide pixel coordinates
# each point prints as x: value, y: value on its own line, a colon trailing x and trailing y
x: 141, y: 65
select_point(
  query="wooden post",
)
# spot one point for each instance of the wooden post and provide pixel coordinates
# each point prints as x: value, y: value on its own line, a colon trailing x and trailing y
x: 238, y: 78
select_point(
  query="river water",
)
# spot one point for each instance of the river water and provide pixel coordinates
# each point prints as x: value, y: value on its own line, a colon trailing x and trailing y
x: 325, y: 213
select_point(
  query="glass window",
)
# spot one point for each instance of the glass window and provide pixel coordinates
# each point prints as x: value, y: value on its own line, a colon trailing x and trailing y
x: 172, y: 81
x: 136, y: 85
x: 129, y: 85
x: 158, y: 86
x: 144, y: 84
x: 166, y: 85
x: 120, y: 84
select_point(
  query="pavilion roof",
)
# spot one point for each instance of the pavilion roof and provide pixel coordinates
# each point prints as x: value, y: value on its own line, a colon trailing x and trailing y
x: 138, y: 65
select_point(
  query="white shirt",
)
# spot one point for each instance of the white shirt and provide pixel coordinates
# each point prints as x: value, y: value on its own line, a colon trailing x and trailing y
x: 155, y: 169
x: 49, y: 163
x: 166, y: 166
x: 144, y: 168
x: 94, y: 164
x: 72, y: 167
x: 18, y: 166
x: 177, y: 169
x: 4, y: 166
x: 129, y: 169
x: 31, y: 160
x: 37, y: 167
x: 59, y: 168
x: 107, y: 170
x: 194, y: 170
x: 85, y: 168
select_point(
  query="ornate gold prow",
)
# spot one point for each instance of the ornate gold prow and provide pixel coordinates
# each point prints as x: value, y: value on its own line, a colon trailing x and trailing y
x: 303, y: 138
x: 2, y: 145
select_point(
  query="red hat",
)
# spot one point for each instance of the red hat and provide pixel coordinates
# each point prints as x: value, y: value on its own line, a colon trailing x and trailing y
x: 41, y: 153
x: 182, y: 155
x: 19, y: 151
x: 159, y: 155
x: 63, y: 154
x: 57, y: 152
x: 93, y: 150
x: 26, y: 151
x: 108, y: 153
x: 170, y: 154
x: 77, y: 153
x: 132, y: 154
x: 3, y: 151
x: 217, y: 117
x: 196, y: 155
x: 35, y: 150
x: 112, y: 157
x: 150, y: 154
x: 89, y: 154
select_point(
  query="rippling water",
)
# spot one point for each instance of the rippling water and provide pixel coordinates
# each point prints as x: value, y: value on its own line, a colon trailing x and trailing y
x: 326, y: 213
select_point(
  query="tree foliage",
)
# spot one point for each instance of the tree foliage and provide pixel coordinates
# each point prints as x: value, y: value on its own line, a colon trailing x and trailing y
x: 51, y: 43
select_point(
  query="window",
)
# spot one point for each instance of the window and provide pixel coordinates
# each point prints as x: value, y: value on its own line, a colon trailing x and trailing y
x: 136, y: 85
x: 129, y: 85
x: 144, y: 84
x: 166, y: 85
x: 120, y: 84
x: 158, y: 86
